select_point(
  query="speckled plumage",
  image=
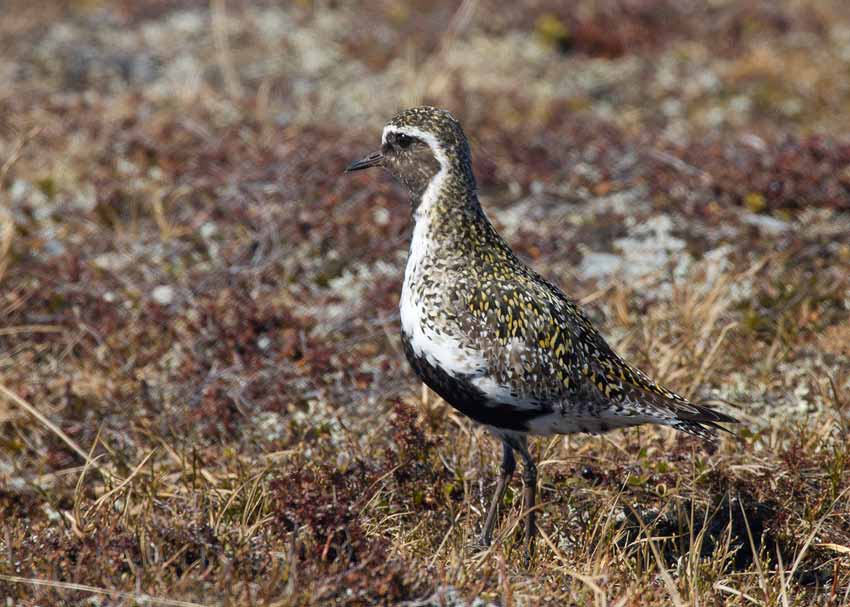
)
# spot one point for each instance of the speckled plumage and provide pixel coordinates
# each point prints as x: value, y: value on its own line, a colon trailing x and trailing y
x: 491, y: 336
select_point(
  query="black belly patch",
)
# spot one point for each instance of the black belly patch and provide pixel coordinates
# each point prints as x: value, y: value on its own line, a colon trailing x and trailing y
x: 461, y: 394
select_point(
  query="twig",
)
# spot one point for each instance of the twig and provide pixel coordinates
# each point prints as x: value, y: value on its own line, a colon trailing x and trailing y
x: 424, y: 78
x: 31, y: 328
x: 7, y: 231
x: 222, y: 47
x: 48, y: 424
x: 679, y: 164
x: 7, y: 226
x: 738, y: 593
x: 102, y: 499
x: 585, y: 579
x: 670, y: 585
x: 16, y: 151
x: 709, y: 359
x: 138, y: 597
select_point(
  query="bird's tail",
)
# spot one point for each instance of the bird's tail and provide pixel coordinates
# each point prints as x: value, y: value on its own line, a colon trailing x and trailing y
x: 701, y: 421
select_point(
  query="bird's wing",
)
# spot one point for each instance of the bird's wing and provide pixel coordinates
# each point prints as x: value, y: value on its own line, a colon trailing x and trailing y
x: 624, y: 386
x: 521, y: 341
x: 628, y: 391
x: 537, y: 346
x: 547, y: 352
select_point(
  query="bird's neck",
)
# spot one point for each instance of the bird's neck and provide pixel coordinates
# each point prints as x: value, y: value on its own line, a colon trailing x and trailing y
x: 448, y: 201
x: 450, y: 223
x: 449, y: 191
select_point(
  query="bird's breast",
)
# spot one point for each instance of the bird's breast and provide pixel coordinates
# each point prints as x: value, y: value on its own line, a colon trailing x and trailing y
x: 426, y: 316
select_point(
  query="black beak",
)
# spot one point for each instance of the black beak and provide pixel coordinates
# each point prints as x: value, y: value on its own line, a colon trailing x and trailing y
x: 372, y: 160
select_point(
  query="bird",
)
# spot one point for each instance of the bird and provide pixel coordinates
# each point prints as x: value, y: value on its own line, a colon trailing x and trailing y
x: 492, y: 337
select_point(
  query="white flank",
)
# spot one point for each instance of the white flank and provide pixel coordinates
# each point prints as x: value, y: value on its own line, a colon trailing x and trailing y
x: 500, y: 393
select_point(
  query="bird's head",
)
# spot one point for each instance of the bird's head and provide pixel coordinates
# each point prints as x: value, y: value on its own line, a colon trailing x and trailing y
x: 422, y: 147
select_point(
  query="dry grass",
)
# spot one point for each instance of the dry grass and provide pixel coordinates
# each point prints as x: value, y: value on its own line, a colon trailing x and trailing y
x: 203, y: 399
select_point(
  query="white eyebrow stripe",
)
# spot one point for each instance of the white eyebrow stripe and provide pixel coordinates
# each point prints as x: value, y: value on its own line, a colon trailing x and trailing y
x: 425, y: 136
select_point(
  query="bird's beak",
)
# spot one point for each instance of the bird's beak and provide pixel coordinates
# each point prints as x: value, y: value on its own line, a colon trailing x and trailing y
x: 374, y: 159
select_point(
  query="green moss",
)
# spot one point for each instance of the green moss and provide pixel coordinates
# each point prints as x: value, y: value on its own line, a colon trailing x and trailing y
x: 755, y: 202
x: 47, y: 186
x: 552, y: 31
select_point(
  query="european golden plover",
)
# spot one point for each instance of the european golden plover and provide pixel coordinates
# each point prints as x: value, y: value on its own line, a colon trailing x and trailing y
x: 492, y: 337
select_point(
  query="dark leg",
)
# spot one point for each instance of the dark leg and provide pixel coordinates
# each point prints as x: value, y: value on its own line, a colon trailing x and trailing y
x: 529, y: 478
x: 508, y: 467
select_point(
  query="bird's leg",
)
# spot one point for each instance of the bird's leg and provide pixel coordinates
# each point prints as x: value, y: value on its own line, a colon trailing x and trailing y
x: 508, y: 467
x: 529, y: 478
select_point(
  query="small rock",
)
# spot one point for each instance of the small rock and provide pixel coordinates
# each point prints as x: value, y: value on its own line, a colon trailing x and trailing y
x: 382, y: 216
x: 271, y: 425
x: 19, y: 190
x: 52, y: 514
x: 163, y: 295
x: 446, y: 596
x: 596, y: 265
x: 208, y: 230
x: 53, y: 248
x: 766, y: 223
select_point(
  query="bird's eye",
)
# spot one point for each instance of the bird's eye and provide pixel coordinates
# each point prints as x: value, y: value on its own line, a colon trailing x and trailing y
x: 403, y: 140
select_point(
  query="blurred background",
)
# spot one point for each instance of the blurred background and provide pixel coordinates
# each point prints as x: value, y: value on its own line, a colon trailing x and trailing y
x: 188, y: 281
